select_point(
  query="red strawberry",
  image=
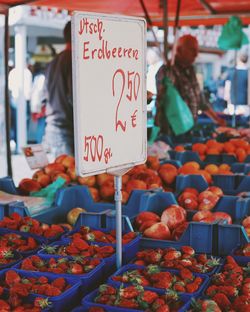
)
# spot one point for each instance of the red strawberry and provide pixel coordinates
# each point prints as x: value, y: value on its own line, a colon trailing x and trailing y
x: 80, y: 244
x: 172, y: 255
x: 129, y: 292
x: 11, y: 278
x: 153, y: 257
x: 188, y: 250
x: 222, y: 300
x: 192, y: 287
x: 127, y: 303
x: 59, y: 283
x: 186, y: 274
x: 148, y: 296
x: 76, y: 268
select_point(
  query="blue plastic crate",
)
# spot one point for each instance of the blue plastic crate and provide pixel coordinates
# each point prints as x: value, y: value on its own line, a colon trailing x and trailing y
x: 178, y: 247
x: 109, y: 262
x: 229, y: 236
x: 24, y: 235
x: 60, y: 303
x: 192, y: 180
x: 232, y: 184
x: 131, y: 267
x: 29, y: 299
x: 129, y: 250
x: 105, y: 219
x: 198, y: 235
x: 89, y: 280
x: 7, y: 185
x: 78, y: 196
x: 89, y: 301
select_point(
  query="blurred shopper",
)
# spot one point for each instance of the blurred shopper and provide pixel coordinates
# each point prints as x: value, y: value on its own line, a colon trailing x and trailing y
x: 59, y: 136
x: 38, y: 101
x: 183, y: 77
x: 237, y: 86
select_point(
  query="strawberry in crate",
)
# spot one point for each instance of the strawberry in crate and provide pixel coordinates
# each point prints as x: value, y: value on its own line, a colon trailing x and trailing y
x: 24, y: 285
x: 134, y: 297
x: 178, y: 259
x: 86, y: 233
x: 183, y: 281
x: 30, y: 225
x: 230, y: 289
x: 79, y: 247
x: 18, y: 242
x: 76, y: 266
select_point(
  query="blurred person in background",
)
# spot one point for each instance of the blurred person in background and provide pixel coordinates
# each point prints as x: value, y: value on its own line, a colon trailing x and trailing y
x: 38, y: 101
x: 236, y: 87
x: 183, y: 77
x: 59, y: 132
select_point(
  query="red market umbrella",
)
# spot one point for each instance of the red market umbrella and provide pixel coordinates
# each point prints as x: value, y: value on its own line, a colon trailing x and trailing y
x: 196, y: 12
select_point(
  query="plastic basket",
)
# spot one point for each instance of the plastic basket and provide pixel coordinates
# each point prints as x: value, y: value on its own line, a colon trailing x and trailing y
x: 130, y: 267
x: 129, y: 250
x: 178, y: 247
x: 109, y: 262
x: 88, y: 302
x: 229, y: 237
x: 63, y: 302
x: 89, y: 280
x: 24, y: 235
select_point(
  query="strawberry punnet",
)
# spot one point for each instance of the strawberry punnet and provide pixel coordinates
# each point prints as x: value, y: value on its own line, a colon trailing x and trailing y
x: 136, y: 297
x: 28, y: 224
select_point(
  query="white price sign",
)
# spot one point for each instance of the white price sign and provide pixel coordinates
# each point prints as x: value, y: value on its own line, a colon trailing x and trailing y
x: 109, y: 87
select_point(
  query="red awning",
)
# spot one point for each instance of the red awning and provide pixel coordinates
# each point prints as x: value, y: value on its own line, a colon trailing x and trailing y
x: 193, y: 12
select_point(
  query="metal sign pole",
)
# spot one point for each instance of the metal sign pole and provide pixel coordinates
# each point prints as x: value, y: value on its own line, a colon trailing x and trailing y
x: 118, y: 208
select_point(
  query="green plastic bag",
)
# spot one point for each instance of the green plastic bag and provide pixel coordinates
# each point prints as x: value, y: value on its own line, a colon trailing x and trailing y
x: 176, y: 110
x: 49, y: 192
x: 232, y: 36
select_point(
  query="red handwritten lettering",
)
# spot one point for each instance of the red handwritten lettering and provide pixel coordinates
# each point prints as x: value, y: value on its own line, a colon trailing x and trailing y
x: 133, y: 118
x: 118, y: 122
x: 94, y: 149
x: 91, y: 28
x: 85, y: 50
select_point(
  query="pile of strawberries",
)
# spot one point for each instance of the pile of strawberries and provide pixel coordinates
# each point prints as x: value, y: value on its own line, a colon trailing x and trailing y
x: 152, y: 276
x: 30, y: 225
x: 134, y: 297
x: 243, y: 251
x: 18, y: 242
x: 79, y: 247
x: 177, y: 259
x: 86, y: 233
x: 59, y: 266
x: 15, y: 303
x: 230, y: 289
x: 23, y: 286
